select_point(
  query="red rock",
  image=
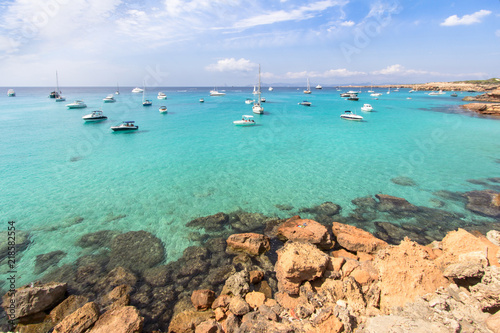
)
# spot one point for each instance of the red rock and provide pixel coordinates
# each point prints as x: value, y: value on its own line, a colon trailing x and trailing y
x: 239, y: 306
x: 256, y: 276
x: 208, y: 326
x: 307, y: 231
x: 330, y: 325
x: 67, y: 307
x: 202, y: 299
x: 221, y: 301
x: 251, y: 243
x: 125, y: 319
x: 493, y: 322
x: 287, y: 301
x: 343, y: 254
x: 355, y: 239
x: 405, y: 272
x: 80, y: 320
x: 255, y: 299
x: 219, y: 314
x: 364, y: 256
x: 337, y: 263
x: 187, y: 321
x: 298, y: 262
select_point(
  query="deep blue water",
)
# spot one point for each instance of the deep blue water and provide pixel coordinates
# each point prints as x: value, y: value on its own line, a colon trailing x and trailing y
x: 194, y: 162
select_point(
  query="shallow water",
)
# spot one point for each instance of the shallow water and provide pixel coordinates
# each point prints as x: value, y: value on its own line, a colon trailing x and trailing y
x: 193, y: 161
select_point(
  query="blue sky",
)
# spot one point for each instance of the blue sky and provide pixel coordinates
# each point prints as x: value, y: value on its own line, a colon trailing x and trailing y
x: 221, y: 42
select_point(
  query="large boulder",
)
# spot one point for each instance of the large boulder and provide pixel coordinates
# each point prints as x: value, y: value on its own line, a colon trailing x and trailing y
x: 405, y: 272
x: 187, y: 321
x: 485, y: 203
x: 67, y: 307
x: 305, y: 230
x: 389, y: 203
x: 298, y: 262
x: 202, y: 299
x: 33, y: 299
x: 251, y: 243
x: 80, y: 320
x: 136, y: 250
x: 44, y: 261
x: 355, y: 239
x: 125, y: 319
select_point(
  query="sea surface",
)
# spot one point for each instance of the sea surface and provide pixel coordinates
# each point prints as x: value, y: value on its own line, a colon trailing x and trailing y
x: 62, y: 178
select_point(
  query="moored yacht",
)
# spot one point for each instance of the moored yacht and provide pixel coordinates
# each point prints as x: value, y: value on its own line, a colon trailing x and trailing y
x: 163, y: 109
x: 215, y: 92
x: 367, y: 108
x: 109, y: 99
x: 434, y: 93
x: 376, y: 94
x: 95, y: 116
x: 246, y: 120
x: 271, y: 89
x: 137, y: 90
x: 78, y: 104
x: 125, y: 126
x: 348, y: 115
x: 308, y: 89
x: 257, y: 107
x: 305, y: 103
x: 319, y: 86
x: 11, y: 93
x: 161, y: 95
x: 353, y: 97
x: 248, y: 101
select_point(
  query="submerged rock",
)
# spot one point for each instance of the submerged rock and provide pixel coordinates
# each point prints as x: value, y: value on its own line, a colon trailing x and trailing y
x: 326, y: 208
x: 389, y: 203
x: 284, y: 207
x: 485, y: 203
x: 214, y: 222
x: 44, y: 261
x: 21, y: 239
x: 97, y: 239
x: 136, y: 250
x: 394, y: 234
x: 403, y: 181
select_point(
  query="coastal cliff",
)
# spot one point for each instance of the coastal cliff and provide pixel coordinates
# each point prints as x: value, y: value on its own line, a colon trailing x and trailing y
x: 490, y: 103
x: 298, y: 275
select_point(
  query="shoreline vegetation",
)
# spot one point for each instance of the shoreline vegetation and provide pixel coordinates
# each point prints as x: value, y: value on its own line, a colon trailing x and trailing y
x: 252, y: 273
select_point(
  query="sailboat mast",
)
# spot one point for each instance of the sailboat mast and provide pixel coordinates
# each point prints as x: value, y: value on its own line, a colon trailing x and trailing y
x: 259, y: 84
x: 57, y: 83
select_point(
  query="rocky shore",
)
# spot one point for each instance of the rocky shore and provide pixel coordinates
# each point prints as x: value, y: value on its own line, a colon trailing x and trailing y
x: 252, y: 273
x: 490, y: 103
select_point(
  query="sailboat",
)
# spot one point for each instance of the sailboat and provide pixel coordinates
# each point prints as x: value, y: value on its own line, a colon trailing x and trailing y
x: 117, y: 90
x: 371, y: 89
x: 389, y: 91
x: 145, y: 102
x: 57, y: 93
x: 257, y: 107
x: 308, y: 90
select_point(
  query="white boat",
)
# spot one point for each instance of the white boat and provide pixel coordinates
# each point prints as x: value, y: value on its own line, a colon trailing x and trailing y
x: 389, y: 91
x: 95, y: 116
x: 371, y: 89
x: 262, y: 99
x: 60, y: 99
x: 249, y: 101
x: 271, y: 89
x: 308, y: 90
x: 145, y: 102
x: 434, y: 93
x: 376, y: 94
x: 202, y: 100
x: 125, y: 126
x: 137, y: 90
x: 257, y: 107
x: 319, y: 86
x: 454, y: 94
x: 254, y: 91
x: 109, y: 99
x: 349, y: 93
x: 396, y: 90
x: 305, y: 103
x: 78, y: 104
x: 367, y: 108
x: 11, y: 93
x: 348, y: 115
x: 161, y: 95
x: 215, y: 92
x: 117, y: 92
x: 57, y: 93
x: 163, y: 109
x: 246, y: 120
x: 353, y: 97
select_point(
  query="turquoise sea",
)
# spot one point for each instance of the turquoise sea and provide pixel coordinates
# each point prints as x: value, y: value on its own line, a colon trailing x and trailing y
x: 62, y: 178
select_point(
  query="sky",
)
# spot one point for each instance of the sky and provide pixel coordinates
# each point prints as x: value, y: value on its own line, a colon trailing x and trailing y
x: 223, y: 42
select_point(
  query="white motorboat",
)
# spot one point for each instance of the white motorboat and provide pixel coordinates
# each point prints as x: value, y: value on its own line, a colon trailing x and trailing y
x: 125, y: 126
x: 95, y: 116
x: 145, y: 102
x: 305, y: 103
x: 319, y: 86
x: 257, y: 107
x: 353, y: 97
x: 376, y: 94
x: 246, y: 120
x: 78, y: 104
x: 434, y: 93
x: 163, y: 109
x: 137, y: 90
x: 249, y: 101
x: 308, y: 89
x: 262, y: 99
x: 202, y: 100
x: 271, y: 89
x: 215, y: 92
x: 348, y: 115
x: 367, y: 108
x: 11, y: 93
x: 161, y: 95
x: 109, y: 99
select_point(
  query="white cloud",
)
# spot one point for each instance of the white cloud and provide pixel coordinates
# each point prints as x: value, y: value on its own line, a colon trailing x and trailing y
x: 299, y: 14
x: 347, y: 23
x: 497, y: 33
x: 232, y: 65
x: 466, y: 19
x: 400, y: 70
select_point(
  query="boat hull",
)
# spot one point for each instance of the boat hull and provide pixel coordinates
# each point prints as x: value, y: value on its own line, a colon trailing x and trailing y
x: 76, y: 106
x: 124, y: 129
x: 95, y: 118
x: 358, y: 118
